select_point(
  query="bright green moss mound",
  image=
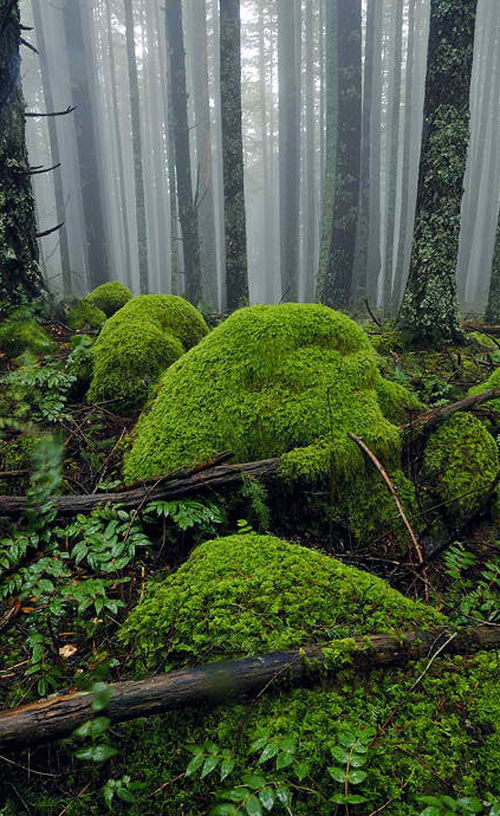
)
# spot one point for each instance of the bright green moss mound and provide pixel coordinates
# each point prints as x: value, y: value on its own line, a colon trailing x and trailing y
x: 249, y: 594
x: 109, y: 297
x: 85, y: 315
x: 461, y: 461
x: 139, y: 342
x: 20, y: 333
x: 268, y: 381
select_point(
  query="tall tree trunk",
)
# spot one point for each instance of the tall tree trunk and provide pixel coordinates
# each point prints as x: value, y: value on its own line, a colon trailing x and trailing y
x: 135, y: 115
x: 54, y: 147
x: 289, y: 145
x: 331, y: 143
x: 429, y: 313
x: 493, y: 309
x: 20, y: 274
x: 119, y: 149
x: 374, y: 258
x: 405, y: 176
x: 361, y: 259
x: 232, y: 154
x: 206, y: 214
x: 310, y: 227
x: 82, y: 80
x: 393, y: 155
x: 187, y: 210
x: 338, y: 286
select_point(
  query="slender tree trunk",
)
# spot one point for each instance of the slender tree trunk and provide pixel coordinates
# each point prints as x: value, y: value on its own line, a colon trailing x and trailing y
x: 206, y: 214
x: 119, y: 149
x: 268, y: 208
x: 310, y: 227
x: 493, y: 309
x: 338, y: 283
x: 232, y: 154
x: 393, y: 155
x: 374, y: 259
x: 82, y: 80
x: 429, y: 313
x: 135, y: 115
x: 289, y: 146
x: 20, y: 275
x: 54, y: 147
x: 187, y: 210
x: 405, y: 176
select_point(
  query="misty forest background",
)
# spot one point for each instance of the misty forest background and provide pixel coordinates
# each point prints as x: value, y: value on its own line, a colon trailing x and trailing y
x: 329, y: 103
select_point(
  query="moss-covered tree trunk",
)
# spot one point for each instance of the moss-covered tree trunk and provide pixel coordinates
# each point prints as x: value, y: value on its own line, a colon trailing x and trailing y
x: 338, y: 282
x: 20, y: 275
x: 188, y: 215
x: 232, y: 154
x: 429, y: 313
x: 493, y: 309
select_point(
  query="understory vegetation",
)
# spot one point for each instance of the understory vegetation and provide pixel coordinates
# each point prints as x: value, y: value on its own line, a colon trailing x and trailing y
x: 316, y: 553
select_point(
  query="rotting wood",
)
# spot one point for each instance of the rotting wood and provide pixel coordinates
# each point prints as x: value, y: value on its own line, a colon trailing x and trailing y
x: 424, y: 423
x: 57, y: 717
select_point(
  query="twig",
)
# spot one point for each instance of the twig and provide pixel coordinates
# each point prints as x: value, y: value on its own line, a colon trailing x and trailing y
x: 170, y: 782
x: 37, y: 114
x: 372, y: 315
x: 37, y: 171
x: 28, y: 45
x: 63, y: 811
x: 396, y: 796
x: 49, y: 231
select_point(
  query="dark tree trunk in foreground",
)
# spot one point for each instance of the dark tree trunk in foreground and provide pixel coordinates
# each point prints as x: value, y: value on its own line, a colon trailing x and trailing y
x: 429, y: 313
x: 232, y: 154
x: 187, y: 209
x: 289, y: 145
x: 218, y: 683
x: 493, y: 309
x: 20, y: 274
x: 50, y: 105
x: 81, y: 80
x: 135, y: 113
x: 337, y: 290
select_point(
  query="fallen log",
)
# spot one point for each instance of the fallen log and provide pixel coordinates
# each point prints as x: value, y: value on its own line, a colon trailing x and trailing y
x: 164, y: 489
x: 424, y: 423
x: 57, y: 717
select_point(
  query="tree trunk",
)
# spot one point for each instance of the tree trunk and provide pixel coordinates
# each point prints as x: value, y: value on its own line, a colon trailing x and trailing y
x: 311, y: 220
x: 187, y: 210
x: 338, y: 284
x: 82, y: 80
x: 429, y: 313
x: 493, y: 309
x: 217, y: 683
x: 374, y: 258
x: 232, y: 154
x: 54, y: 147
x: 20, y: 275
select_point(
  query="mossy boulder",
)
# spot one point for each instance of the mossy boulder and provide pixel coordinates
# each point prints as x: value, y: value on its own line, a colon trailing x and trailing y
x: 138, y: 343
x: 247, y: 594
x: 287, y: 380
x: 461, y: 461
x: 21, y: 333
x: 85, y: 316
x: 109, y: 297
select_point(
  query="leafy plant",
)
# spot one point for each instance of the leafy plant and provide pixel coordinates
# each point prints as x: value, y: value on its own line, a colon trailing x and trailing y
x: 207, y: 758
x: 253, y: 796
x: 96, y: 729
x: 478, y: 598
x: 443, y: 805
x: 187, y: 514
x: 40, y: 390
x: 124, y: 788
x: 351, y: 755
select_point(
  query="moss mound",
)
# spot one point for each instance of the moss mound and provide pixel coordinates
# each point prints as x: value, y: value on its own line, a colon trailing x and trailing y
x: 248, y: 594
x: 461, y: 461
x: 139, y: 342
x: 109, y: 297
x: 271, y: 380
x: 20, y: 333
x: 84, y: 316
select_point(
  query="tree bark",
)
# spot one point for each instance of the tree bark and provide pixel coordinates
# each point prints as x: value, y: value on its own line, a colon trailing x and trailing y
x: 493, y: 308
x: 20, y: 274
x: 57, y: 717
x: 429, y: 313
x: 232, y: 155
x: 187, y: 210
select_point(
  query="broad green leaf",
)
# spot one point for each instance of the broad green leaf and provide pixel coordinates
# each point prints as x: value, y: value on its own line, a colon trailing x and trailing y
x: 223, y: 810
x: 432, y: 811
x: 266, y: 797
x: 283, y: 795
x: 288, y: 744
x: 338, y: 774
x: 96, y: 753
x: 269, y: 752
x: 253, y: 807
x: 125, y: 795
x: 108, y: 797
x: 355, y: 799
x: 211, y: 748
x: 283, y: 760
x: 254, y: 781
x: 210, y: 765
x: 358, y: 760
x: 258, y: 744
x: 450, y: 803
x: 356, y: 777
x: 347, y: 738
x: 339, y: 799
x: 471, y: 804
x: 196, y: 762
x: 235, y: 794
x: 340, y: 754
x: 93, y: 728
x: 226, y: 768
x: 301, y: 770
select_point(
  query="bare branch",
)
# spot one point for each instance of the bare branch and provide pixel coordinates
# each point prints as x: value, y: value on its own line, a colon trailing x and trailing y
x: 49, y: 231
x: 36, y: 114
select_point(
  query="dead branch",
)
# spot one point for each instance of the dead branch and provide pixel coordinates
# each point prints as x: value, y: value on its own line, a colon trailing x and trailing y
x: 425, y: 423
x: 37, y: 171
x: 50, y: 231
x: 57, y: 717
x: 173, y: 486
x: 36, y: 114
x: 28, y: 45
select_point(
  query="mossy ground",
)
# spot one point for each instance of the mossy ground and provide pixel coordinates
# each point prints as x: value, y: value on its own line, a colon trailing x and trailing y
x: 109, y: 297
x: 137, y: 344
x: 85, y: 316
